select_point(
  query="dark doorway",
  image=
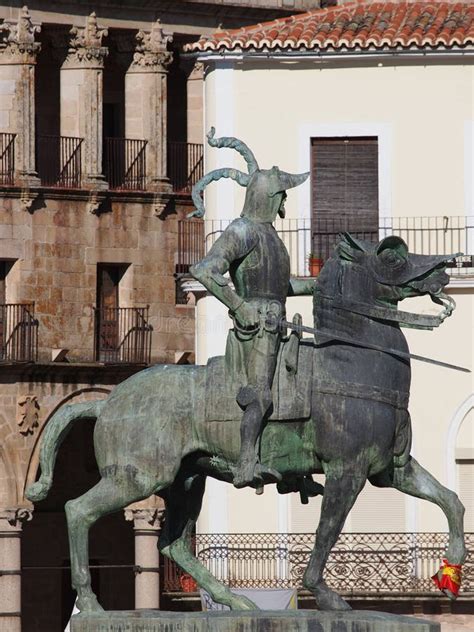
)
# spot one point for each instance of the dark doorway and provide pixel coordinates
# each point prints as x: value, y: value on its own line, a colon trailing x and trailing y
x: 108, y: 311
x: 47, y: 596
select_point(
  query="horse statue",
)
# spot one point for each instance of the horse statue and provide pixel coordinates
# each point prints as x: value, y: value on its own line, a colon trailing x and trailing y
x: 341, y: 409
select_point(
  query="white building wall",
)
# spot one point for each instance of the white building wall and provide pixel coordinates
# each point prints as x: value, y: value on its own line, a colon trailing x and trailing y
x: 423, y: 118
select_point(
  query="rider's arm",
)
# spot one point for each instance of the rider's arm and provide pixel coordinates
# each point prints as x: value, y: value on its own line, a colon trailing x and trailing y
x: 234, y: 243
x: 298, y: 287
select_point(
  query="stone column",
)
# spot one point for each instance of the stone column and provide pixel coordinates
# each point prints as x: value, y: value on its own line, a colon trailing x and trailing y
x: 146, y: 101
x: 195, y: 96
x: 82, y: 97
x: 10, y: 567
x: 147, y: 526
x: 18, y: 51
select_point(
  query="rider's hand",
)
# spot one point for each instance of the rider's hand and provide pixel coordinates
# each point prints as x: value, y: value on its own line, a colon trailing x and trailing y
x: 247, y: 315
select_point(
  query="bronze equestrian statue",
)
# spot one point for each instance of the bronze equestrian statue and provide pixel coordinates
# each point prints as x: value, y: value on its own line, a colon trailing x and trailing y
x: 339, y: 408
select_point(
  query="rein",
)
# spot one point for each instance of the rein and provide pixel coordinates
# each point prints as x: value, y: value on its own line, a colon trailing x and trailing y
x: 407, y: 319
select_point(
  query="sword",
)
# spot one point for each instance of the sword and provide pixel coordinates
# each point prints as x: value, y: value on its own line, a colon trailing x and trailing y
x: 282, y: 323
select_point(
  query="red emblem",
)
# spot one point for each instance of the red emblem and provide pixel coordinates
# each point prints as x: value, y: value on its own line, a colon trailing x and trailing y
x: 448, y: 579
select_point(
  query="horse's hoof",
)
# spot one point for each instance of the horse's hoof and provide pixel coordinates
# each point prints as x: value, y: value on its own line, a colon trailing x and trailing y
x: 89, y: 604
x: 239, y: 602
x: 327, y: 599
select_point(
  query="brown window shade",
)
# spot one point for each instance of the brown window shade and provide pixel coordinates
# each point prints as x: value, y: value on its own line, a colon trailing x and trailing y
x: 344, y: 190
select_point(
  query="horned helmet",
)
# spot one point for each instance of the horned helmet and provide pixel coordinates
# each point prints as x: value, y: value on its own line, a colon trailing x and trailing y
x: 265, y: 187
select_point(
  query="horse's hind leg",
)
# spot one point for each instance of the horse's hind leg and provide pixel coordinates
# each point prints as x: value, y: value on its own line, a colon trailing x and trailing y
x: 109, y: 495
x: 413, y: 479
x: 183, y: 506
x: 341, y: 488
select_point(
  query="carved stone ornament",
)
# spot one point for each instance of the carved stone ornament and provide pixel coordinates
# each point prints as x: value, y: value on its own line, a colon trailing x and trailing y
x: 27, y: 199
x: 85, y: 45
x: 94, y: 202
x: 28, y: 414
x: 17, y: 39
x: 197, y: 72
x: 145, y: 518
x: 16, y: 516
x: 151, y: 51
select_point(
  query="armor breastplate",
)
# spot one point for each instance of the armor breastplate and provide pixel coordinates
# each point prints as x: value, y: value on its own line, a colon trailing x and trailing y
x: 265, y: 271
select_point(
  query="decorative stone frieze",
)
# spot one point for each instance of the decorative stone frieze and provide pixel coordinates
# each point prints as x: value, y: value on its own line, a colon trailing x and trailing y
x: 28, y: 410
x: 85, y: 46
x: 17, y: 39
x: 151, y: 51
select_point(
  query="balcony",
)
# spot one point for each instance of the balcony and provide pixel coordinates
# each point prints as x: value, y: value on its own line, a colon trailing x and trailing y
x: 122, y: 335
x: 59, y: 161
x: 302, y: 237
x: 7, y: 158
x: 185, y: 165
x: 125, y: 163
x: 18, y: 333
x: 360, y: 565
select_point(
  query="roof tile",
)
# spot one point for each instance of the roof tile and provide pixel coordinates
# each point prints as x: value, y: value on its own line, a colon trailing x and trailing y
x: 360, y: 24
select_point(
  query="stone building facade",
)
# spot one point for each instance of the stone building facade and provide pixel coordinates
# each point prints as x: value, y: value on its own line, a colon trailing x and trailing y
x: 100, y: 139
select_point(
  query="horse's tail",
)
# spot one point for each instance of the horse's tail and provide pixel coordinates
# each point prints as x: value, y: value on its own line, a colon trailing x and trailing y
x: 56, y: 431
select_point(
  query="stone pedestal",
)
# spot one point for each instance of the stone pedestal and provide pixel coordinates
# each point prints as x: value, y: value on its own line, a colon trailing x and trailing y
x: 11, y: 521
x: 147, y: 525
x: 255, y: 621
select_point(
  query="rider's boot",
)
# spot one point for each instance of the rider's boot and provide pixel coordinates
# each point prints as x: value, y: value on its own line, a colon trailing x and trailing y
x: 249, y: 471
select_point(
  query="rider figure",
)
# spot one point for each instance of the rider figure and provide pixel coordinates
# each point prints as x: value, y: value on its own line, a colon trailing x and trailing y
x: 259, y: 267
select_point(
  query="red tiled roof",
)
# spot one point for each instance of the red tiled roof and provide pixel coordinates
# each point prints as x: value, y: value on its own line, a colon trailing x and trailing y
x: 361, y: 25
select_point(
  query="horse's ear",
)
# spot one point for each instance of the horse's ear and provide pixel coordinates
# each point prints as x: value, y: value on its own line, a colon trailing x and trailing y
x: 394, y: 243
x: 353, y: 242
x: 349, y: 247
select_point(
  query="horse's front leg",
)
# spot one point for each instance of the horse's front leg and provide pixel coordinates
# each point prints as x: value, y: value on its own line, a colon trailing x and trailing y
x: 413, y: 479
x: 340, y: 492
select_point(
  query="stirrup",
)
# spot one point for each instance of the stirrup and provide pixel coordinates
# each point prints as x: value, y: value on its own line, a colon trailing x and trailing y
x: 262, y: 475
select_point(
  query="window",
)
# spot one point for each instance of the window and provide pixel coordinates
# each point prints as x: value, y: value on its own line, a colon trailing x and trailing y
x: 344, y: 190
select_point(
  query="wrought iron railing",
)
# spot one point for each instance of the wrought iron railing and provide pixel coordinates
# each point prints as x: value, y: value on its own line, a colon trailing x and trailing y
x: 18, y: 333
x: 305, y: 239
x: 191, y: 244
x: 7, y: 158
x: 59, y: 161
x: 384, y: 564
x: 122, y: 335
x: 125, y: 163
x: 185, y: 165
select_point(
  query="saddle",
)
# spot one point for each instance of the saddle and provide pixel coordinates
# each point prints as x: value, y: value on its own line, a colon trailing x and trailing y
x: 291, y: 390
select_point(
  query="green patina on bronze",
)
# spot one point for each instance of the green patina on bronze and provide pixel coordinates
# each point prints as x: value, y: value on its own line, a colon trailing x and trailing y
x: 321, y: 405
x: 274, y: 621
